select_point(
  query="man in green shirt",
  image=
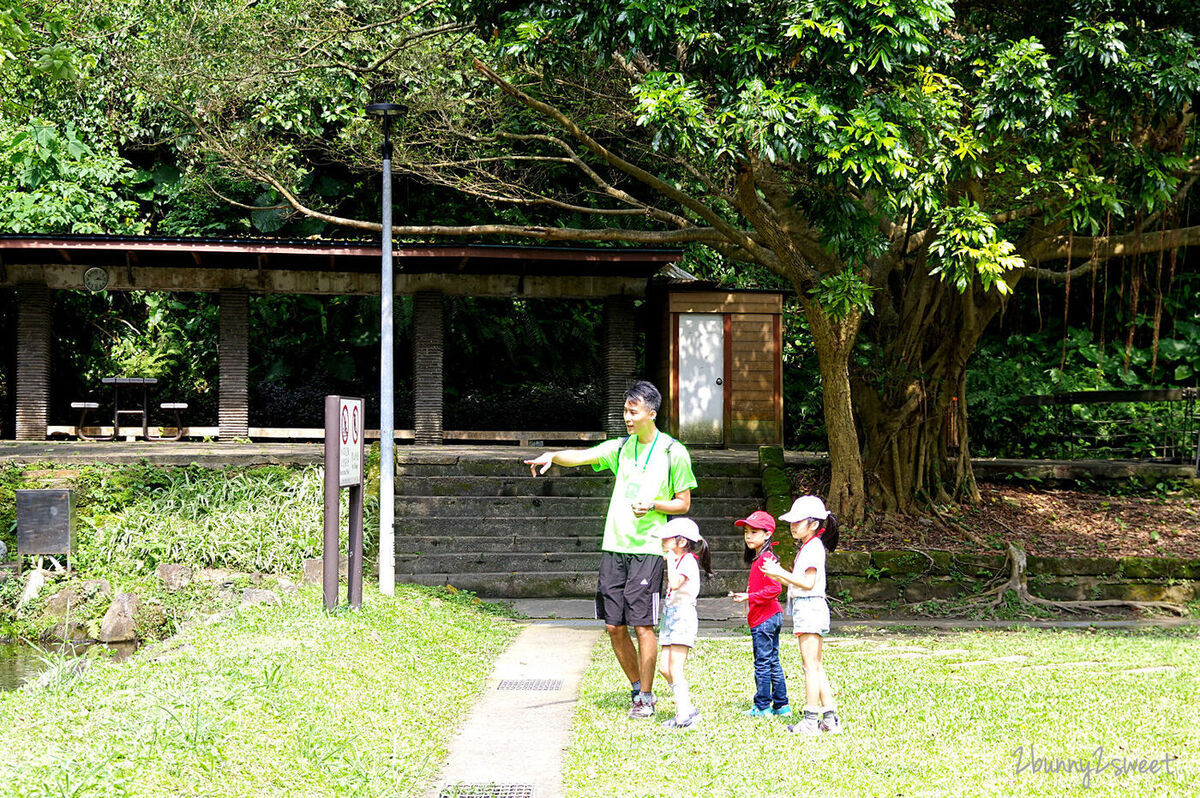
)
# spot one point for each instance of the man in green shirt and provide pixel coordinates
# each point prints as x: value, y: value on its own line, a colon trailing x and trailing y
x: 654, y: 480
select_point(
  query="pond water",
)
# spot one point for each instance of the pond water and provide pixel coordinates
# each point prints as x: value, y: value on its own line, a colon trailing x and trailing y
x: 20, y: 662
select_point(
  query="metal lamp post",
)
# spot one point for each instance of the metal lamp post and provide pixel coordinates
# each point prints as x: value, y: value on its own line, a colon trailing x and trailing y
x: 387, y: 429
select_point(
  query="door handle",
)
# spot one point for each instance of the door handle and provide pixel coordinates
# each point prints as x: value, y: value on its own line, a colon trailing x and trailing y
x: 720, y: 381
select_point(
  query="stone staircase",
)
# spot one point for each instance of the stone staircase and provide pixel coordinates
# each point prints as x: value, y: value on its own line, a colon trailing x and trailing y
x: 478, y: 521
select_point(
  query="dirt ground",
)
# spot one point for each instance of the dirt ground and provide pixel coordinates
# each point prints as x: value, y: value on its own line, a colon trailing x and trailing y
x: 1048, y: 522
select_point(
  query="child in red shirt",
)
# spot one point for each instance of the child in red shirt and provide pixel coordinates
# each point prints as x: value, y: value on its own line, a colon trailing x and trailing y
x: 765, y: 616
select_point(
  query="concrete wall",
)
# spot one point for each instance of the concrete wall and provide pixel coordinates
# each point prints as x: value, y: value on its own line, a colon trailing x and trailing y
x: 910, y: 577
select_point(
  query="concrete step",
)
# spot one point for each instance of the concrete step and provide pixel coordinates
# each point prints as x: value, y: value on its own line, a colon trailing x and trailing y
x: 451, y: 464
x: 711, y: 526
x: 530, y: 562
x: 595, y: 486
x: 481, y: 522
x: 493, y: 507
x: 569, y: 541
x: 564, y: 584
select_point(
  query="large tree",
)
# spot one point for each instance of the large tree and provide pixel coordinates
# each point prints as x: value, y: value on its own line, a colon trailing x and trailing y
x: 904, y: 164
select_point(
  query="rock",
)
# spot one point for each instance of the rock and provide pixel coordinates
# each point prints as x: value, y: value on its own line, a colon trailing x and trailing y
x: 3, y: 551
x: 173, y: 575
x: 118, y: 623
x: 33, y: 587
x: 66, y: 632
x: 313, y: 569
x: 287, y: 587
x: 258, y: 595
x: 97, y: 587
x: 216, y: 576
x: 61, y: 603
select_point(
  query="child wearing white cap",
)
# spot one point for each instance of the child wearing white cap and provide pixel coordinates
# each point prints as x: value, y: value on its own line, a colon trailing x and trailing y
x: 686, y: 553
x: 815, y: 531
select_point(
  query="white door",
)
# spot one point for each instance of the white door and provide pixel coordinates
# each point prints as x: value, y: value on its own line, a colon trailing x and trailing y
x: 701, y: 377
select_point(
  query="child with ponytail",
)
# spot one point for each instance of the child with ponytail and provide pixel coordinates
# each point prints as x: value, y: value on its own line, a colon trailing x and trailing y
x: 815, y: 531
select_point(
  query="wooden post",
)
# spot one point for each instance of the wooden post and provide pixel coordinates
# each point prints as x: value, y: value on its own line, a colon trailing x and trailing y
x: 233, y: 363
x: 33, y: 361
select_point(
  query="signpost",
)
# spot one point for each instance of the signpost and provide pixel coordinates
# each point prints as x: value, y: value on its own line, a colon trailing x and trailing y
x: 344, y: 448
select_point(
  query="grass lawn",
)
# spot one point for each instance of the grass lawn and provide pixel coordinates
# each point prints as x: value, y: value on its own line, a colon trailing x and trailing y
x: 950, y: 714
x: 277, y: 701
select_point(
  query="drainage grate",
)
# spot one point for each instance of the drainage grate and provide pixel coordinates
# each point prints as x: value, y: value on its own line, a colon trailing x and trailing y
x: 487, y: 791
x: 530, y: 684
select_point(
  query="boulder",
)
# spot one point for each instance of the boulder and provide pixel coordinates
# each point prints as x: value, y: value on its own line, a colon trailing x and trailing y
x: 62, y: 603
x: 173, y: 575
x: 258, y: 595
x: 118, y: 623
x: 65, y: 632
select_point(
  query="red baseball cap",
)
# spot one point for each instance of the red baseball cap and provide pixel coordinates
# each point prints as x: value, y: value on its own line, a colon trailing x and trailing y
x: 758, y: 519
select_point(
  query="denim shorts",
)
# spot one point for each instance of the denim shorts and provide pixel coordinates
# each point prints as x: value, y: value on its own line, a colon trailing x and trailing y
x: 810, y: 615
x: 680, y: 625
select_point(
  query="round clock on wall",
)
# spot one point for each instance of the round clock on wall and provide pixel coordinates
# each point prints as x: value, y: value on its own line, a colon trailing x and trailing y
x: 95, y: 279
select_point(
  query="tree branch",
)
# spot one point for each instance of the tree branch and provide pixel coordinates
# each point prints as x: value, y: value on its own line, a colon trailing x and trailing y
x: 735, y: 235
x: 1104, y: 247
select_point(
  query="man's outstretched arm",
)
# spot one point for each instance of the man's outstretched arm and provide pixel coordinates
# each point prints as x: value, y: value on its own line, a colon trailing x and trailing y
x: 563, y: 457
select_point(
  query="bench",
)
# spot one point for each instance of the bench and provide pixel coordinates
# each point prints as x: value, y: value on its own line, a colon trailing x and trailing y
x: 84, y: 408
x: 174, y: 408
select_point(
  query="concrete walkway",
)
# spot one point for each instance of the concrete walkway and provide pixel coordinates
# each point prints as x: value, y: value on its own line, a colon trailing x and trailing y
x: 721, y: 617
x: 513, y: 741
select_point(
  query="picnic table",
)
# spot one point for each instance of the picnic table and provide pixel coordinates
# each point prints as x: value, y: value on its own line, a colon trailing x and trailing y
x: 137, y: 400
x: 133, y: 401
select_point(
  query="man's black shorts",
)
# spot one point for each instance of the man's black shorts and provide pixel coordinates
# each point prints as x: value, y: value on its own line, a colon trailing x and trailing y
x: 629, y: 588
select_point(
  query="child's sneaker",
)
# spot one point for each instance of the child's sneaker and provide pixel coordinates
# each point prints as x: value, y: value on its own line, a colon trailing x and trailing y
x: 784, y: 711
x: 641, y: 708
x: 690, y: 722
x: 807, y: 726
x: 755, y: 712
x: 830, y: 723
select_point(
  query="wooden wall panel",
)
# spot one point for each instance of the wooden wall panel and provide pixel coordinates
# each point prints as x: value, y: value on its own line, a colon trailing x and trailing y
x: 722, y: 302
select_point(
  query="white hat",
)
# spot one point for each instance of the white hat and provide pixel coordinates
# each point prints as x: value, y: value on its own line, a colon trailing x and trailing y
x: 805, y: 507
x: 680, y: 527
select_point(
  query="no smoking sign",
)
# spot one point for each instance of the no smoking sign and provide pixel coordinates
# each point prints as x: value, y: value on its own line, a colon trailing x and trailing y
x: 350, y: 438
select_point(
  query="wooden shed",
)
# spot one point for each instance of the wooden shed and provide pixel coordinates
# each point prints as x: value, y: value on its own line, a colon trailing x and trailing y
x: 720, y: 363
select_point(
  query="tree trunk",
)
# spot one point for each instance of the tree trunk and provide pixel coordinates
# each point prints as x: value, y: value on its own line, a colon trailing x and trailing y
x: 911, y: 400
x: 834, y: 340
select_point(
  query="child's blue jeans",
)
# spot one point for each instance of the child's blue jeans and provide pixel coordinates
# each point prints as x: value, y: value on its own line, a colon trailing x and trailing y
x: 768, y: 672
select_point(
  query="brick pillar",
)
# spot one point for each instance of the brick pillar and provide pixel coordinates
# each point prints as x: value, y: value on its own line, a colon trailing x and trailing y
x: 233, y: 363
x: 33, y: 361
x: 619, y: 360
x: 428, y: 345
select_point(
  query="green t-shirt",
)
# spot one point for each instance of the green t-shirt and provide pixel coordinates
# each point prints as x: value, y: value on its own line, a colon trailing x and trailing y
x: 656, y: 471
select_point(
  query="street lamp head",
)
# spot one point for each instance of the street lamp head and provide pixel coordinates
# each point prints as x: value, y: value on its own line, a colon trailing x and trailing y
x: 385, y: 110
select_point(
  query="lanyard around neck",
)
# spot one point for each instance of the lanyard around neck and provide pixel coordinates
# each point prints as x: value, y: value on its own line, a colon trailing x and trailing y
x: 649, y: 451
